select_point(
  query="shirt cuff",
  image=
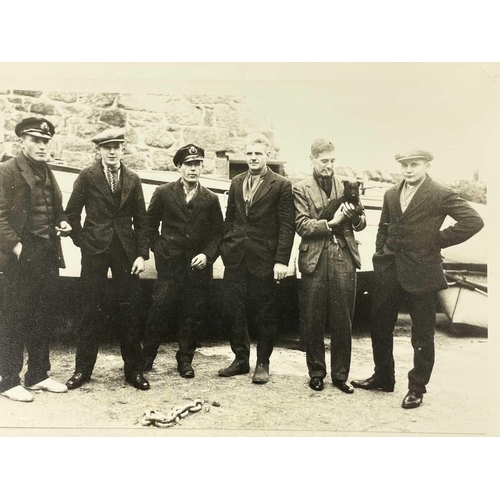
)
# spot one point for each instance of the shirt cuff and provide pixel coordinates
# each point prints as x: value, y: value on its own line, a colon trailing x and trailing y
x: 327, y: 226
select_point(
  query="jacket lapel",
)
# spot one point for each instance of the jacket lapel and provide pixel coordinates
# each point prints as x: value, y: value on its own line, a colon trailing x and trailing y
x: 418, y: 198
x: 26, y: 172
x: 100, y: 182
x: 393, y: 196
x: 199, y: 201
x: 265, y: 186
x: 127, y: 185
x: 177, y: 192
x: 316, y: 194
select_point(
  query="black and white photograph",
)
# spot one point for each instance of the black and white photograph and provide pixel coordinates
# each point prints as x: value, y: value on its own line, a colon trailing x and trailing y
x: 301, y: 251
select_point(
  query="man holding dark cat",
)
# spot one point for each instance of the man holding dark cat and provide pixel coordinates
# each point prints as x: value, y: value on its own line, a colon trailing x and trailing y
x: 328, y: 258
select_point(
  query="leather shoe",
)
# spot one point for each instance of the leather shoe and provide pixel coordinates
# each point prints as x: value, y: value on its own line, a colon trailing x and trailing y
x: 138, y: 381
x: 373, y: 383
x: 77, y: 380
x: 237, y: 367
x: 185, y: 369
x: 412, y: 400
x: 343, y: 386
x: 261, y: 374
x: 316, y: 384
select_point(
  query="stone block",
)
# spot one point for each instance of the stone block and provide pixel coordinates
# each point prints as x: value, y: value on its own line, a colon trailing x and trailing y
x: 182, y: 112
x: 213, y: 99
x: 78, y: 145
x: 162, y: 160
x: 77, y: 159
x: 212, y: 138
x: 159, y: 138
x: 63, y: 96
x: 208, y: 117
x: 43, y: 108
x: 144, y: 102
x: 141, y: 116
x: 97, y: 99
x: 18, y: 104
x: 76, y: 111
x: 114, y: 117
x: 135, y: 161
x: 4, y: 91
x: 29, y: 93
x: 222, y: 167
x: 87, y: 130
x: 12, y: 119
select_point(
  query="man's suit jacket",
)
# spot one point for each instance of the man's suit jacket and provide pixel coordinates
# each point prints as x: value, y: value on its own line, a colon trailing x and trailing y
x: 17, y: 182
x: 184, y: 233
x: 413, y: 240
x: 310, y: 201
x: 265, y: 235
x: 103, y: 216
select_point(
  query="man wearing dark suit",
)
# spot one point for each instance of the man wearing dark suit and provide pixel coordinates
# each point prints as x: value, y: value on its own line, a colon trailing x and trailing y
x: 328, y: 258
x: 407, y: 263
x: 185, y: 250
x: 114, y: 236
x: 256, y: 248
x: 31, y: 221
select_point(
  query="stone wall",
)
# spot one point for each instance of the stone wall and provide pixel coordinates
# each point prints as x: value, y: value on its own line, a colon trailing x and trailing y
x: 156, y: 125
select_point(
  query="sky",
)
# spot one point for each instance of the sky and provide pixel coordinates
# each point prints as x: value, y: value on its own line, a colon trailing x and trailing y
x: 370, y: 111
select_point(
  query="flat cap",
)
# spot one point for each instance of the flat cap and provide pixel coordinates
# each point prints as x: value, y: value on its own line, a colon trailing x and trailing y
x: 414, y: 154
x: 188, y: 153
x: 109, y: 135
x: 37, y: 127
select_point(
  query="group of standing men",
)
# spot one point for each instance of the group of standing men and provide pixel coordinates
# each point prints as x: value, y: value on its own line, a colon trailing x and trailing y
x: 255, y: 242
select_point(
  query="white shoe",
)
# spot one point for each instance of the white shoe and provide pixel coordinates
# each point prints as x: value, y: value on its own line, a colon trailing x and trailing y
x: 49, y: 385
x: 18, y: 393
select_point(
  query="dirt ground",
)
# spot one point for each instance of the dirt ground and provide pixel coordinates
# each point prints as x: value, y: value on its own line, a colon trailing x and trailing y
x: 455, y: 402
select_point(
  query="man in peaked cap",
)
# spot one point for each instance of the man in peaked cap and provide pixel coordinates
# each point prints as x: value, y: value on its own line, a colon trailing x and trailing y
x: 185, y: 250
x: 31, y: 223
x: 407, y: 263
x: 113, y: 236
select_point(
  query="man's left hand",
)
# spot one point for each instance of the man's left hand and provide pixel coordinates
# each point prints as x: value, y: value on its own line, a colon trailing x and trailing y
x: 199, y: 261
x: 138, y: 266
x: 63, y: 229
x: 280, y: 271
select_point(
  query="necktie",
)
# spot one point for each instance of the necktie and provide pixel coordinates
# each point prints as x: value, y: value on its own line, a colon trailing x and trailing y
x: 111, y: 174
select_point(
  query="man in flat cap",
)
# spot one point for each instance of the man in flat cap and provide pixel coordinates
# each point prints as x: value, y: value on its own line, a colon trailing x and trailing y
x: 256, y: 247
x: 185, y: 250
x: 407, y: 263
x: 114, y: 236
x: 31, y: 221
x: 328, y: 258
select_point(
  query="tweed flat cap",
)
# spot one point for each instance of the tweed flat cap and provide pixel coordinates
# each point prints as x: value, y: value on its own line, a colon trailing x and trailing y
x: 34, y: 126
x: 414, y: 154
x: 109, y: 135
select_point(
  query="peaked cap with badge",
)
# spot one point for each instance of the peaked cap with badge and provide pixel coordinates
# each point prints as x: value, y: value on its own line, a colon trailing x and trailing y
x: 188, y: 153
x: 36, y: 127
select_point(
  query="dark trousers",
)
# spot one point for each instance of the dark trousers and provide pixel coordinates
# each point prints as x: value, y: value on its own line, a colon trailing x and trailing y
x: 386, y: 302
x: 27, y: 312
x: 126, y: 292
x: 185, y: 290
x: 249, y: 301
x: 327, y: 306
